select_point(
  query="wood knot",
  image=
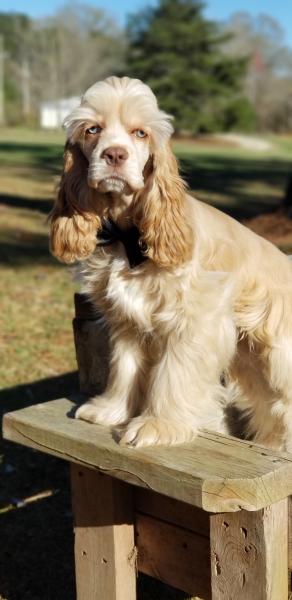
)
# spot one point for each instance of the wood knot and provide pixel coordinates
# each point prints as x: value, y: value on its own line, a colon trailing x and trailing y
x: 217, y: 566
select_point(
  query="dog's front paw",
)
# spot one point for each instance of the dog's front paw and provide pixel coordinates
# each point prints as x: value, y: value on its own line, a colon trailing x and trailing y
x: 101, y: 410
x: 148, y: 431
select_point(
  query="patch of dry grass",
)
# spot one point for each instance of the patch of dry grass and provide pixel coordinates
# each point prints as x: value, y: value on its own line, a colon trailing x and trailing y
x: 37, y: 292
x: 35, y: 323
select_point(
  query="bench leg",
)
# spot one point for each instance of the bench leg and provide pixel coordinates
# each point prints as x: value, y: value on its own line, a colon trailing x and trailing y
x: 249, y: 554
x: 105, y: 555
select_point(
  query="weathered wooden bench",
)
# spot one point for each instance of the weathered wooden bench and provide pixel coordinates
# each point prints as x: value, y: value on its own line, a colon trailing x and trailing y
x: 210, y: 517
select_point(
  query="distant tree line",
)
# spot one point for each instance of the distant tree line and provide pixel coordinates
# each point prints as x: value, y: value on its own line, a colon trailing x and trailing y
x: 210, y: 76
x: 267, y: 82
x: 57, y: 57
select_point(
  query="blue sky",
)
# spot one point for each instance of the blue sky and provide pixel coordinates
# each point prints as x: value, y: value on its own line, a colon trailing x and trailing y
x: 215, y: 9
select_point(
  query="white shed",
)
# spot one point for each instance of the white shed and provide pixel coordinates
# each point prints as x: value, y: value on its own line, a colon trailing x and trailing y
x: 53, y: 113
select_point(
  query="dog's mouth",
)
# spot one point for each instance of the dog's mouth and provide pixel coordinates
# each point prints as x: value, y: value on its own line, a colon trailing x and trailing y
x: 113, y: 183
x: 116, y: 184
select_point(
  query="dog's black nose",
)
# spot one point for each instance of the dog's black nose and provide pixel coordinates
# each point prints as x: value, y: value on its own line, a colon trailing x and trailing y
x: 115, y: 155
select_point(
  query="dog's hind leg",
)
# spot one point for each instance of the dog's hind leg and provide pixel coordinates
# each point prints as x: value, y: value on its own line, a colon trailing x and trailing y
x: 279, y: 371
x: 263, y: 378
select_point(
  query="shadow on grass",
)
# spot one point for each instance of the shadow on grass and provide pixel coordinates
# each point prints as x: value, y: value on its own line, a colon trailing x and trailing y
x: 39, y: 391
x: 42, y: 205
x: 36, y: 560
x: 36, y: 556
x: 21, y: 254
x: 42, y: 156
x: 232, y: 178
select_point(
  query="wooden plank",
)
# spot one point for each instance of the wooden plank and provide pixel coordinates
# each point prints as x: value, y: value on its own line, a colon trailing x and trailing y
x: 172, y: 511
x: 92, y: 352
x: 91, y: 345
x: 84, y: 309
x: 215, y: 472
x: 249, y: 554
x: 174, y: 555
x: 105, y: 554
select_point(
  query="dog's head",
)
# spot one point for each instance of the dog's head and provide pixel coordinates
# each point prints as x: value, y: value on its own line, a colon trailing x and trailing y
x: 118, y: 144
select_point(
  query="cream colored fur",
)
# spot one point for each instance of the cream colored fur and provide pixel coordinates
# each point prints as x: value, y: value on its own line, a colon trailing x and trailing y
x: 213, y: 299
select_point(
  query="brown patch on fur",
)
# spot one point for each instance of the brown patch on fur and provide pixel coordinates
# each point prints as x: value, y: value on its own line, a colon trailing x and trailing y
x: 74, y: 221
x: 160, y: 212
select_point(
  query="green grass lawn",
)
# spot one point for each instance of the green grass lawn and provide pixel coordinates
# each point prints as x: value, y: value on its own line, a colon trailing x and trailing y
x: 37, y: 352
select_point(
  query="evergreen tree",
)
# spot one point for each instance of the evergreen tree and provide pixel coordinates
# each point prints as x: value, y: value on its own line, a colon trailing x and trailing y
x: 174, y: 49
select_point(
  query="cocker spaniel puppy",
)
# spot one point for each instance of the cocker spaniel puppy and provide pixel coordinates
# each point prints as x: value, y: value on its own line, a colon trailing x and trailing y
x: 190, y: 295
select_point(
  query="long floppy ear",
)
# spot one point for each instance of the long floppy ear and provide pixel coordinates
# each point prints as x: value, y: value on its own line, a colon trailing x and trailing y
x: 74, y: 222
x: 160, y: 212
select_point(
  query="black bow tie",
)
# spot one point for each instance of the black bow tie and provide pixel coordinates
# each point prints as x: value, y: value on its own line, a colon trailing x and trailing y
x: 111, y: 233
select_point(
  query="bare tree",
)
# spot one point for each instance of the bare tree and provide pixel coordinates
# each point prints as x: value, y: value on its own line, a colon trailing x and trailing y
x: 58, y: 57
x: 268, y: 82
x: 80, y: 44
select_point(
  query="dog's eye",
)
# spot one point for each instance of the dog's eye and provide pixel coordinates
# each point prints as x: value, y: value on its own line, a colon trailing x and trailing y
x: 94, y: 129
x: 139, y: 133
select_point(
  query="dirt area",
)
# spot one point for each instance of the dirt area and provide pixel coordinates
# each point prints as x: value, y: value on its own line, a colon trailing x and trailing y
x: 275, y: 227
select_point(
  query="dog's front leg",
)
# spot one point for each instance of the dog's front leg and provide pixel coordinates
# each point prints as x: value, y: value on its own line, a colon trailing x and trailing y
x: 184, y: 394
x: 119, y: 401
